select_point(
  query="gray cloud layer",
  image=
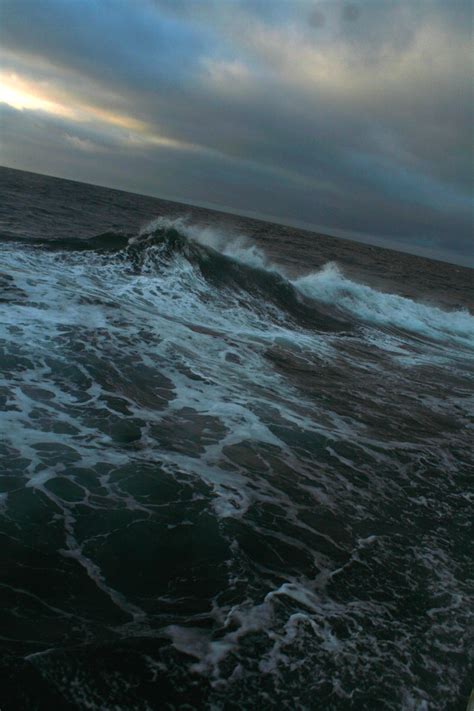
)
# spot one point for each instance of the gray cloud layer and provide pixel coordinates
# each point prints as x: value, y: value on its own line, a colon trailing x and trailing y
x: 354, y: 116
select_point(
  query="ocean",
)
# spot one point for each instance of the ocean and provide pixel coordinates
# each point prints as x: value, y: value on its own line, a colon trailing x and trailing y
x: 236, y: 462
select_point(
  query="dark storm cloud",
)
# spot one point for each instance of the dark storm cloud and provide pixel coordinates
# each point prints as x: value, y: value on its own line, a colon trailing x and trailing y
x: 352, y: 115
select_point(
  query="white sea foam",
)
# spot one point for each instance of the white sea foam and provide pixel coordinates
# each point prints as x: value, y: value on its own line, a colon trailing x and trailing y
x: 295, y: 460
x: 171, y: 307
x: 230, y: 244
x: 330, y: 286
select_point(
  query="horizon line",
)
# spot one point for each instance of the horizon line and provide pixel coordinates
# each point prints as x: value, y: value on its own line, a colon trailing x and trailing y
x: 345, y: 235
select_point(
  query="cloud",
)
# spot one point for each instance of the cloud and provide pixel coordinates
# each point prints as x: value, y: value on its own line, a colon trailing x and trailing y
x: 83, y: 144
x: 353, y: 115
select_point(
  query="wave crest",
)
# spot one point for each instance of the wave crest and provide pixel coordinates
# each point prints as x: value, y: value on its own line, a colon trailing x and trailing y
x: 330, y: 286
x: 230, y: 263
x: 325, y: 299
x: 327, y: 287
x: 235, y: 246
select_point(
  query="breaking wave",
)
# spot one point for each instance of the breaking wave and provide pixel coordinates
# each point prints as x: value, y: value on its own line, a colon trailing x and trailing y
x: 326, y: 299
x: 330, y: 286
x: 232, y: 261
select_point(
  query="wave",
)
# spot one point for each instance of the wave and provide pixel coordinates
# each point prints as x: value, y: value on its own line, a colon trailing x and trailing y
x: 229, y: 264
x: 325, y: 300
x: 109, y: 241
x: 330, y: 286
x: 235, y: 246
x: 325, y: 287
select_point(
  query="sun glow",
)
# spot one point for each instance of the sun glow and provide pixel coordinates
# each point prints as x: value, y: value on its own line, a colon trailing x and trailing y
x: 25, y: 95
x: 21, y: 95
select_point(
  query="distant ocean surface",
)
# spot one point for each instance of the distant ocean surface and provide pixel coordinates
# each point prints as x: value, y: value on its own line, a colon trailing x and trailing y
x: 236, y: 463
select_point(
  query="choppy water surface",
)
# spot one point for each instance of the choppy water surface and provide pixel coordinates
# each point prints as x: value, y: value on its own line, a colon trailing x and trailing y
x: 229, y: 479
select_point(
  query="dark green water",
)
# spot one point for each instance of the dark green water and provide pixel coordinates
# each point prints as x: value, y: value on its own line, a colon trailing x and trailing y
x: 237, y: 466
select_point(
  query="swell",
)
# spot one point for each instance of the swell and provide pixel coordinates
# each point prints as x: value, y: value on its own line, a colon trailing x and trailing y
x: 224, y: 264
x: 325, y: 300
x: 105, y: 242
x: 330, y: 286
x: 263, y: 285
x: 227, y: 260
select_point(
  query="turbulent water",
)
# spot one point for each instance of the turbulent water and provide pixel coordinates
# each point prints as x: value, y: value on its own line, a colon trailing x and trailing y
x: 234, y: 475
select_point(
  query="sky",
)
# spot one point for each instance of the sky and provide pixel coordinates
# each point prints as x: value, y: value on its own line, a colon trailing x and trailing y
x: 353, y: 118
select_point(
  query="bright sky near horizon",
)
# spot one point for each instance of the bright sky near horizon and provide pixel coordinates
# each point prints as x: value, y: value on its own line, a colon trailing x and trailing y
x: 353, y: 117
